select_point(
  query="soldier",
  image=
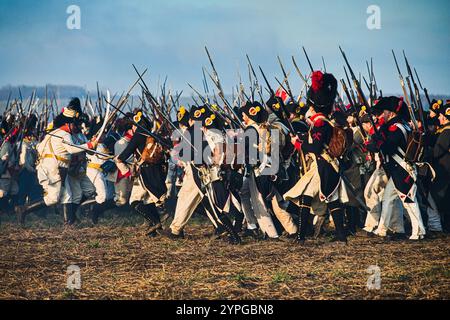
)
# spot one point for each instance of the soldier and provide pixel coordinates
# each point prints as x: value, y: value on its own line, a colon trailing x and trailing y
x: 55, y: 154
x: 29, y: 188
x: 256, y: 184
x: 149, y: 188
x: 8, y: 167
x: 122, y: 177
x: 402, y: 173
x: 78, y: 188
x: 322, y: 181
x: 202, y: 184
x: 441, y: 162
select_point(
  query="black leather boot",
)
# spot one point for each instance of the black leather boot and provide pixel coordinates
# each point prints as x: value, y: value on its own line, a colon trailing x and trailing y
x: 68, y: 213
x: 302, y: 222
x: 337, y: 212
x: 75, y: 207
x: 233, y: 237
x: 22, y: 211
x: 97, y: 210
x: 352, y: 219
x: 150, y: 214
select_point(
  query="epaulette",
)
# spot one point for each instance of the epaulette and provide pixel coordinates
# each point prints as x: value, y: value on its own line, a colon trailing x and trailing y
x: 319, y: 123
x: 393, y: 128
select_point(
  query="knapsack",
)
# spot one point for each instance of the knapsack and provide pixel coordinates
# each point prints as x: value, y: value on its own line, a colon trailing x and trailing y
x: 341, y: 140
x: 415, y: 144
x: 153, y: 152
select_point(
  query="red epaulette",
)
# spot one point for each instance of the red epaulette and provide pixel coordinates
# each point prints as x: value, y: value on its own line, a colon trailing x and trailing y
x: 393, y: 128
x: 319, y: 123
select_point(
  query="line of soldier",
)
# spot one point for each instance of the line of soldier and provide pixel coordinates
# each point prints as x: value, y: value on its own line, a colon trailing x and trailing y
x: 369, y: 188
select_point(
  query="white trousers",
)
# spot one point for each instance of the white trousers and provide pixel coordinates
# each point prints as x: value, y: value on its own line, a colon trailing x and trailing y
x: 75, y: 187
x: 254, y: 208
x: 189, y: 197
x: 393, y: 219
x: 99, y: 182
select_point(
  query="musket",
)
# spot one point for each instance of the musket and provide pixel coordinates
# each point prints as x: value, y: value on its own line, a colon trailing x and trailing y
x: 257, y: 86
x: 371, y: 93
x: 359, y: 91
x: 280, y: 101
x: 152, y: 100
x: 251, y: 87
x: 373, y: 77
x: 324, y: 67
x: 151, y: 134
x: 225, y: 117
x: 7, y: 101
x: 91, y: 151
x: 123, y: 100
x: 105, y: 121
x: 241, y: 89
x: 99, y: 99
x: 289, y: 91
x: 205, y: 83
x: 368, y: 89
x: 417, y: 94
x: 424, y: 89
x: 347, y: 93
x: 353, y: 106
x: 298, y: 71
x: 21, y: 100
x: 307, y: 58
x: 221, y: 94
x: 350, y: 85
x: 405, y: 94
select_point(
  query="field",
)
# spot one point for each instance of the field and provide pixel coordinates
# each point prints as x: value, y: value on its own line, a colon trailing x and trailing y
x: 118, y: 261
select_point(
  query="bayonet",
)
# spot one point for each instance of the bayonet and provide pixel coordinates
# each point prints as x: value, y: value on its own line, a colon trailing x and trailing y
x: 307, y: 58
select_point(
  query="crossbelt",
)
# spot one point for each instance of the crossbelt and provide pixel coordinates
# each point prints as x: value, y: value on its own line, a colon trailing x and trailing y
x: 95, y: 166
x: 64, y: 160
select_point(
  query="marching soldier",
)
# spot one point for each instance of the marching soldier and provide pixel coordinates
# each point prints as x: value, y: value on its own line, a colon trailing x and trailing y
x: 202, y: 184
x: 8, y: 168
x: 402, y: 173
x: 322, y: 181
x: 256, y: 185
x: 55, y: 154
x: 149, y: 188
x: 441, y: 163
x: 29, y: 189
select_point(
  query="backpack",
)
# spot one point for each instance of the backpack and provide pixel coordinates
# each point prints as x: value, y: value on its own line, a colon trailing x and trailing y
x: 153, y: 152
x: 341, y: 140
x: 415, y: 145
x: 265, y: 136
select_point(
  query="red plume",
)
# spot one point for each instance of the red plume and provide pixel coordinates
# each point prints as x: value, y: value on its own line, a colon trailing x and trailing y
x: 316, y: 80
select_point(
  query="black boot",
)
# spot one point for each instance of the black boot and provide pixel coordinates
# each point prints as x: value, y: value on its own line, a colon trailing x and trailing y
x: 302, y: 222
x: 75, y: 207
x: 233, y: 237
x: 67, y: 209
x: 337, y: 212
x: 149, y: 213
x: 97, y: 210
x: 22, y: 211
x: 352, y: 219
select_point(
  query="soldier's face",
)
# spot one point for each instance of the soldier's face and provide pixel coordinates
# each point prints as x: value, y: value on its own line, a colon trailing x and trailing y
x: 442, y: 119
x: 245, y: 117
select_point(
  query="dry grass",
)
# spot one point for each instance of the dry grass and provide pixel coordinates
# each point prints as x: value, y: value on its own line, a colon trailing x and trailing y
x: 118, y: 261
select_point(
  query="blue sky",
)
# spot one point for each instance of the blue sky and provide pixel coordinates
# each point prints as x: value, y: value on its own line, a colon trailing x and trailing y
x: 168, y: 37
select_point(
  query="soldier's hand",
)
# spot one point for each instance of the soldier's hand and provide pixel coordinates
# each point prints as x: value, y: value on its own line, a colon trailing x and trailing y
x: 93, y: 144
x: 294, y: 139
x: 116, y: 159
